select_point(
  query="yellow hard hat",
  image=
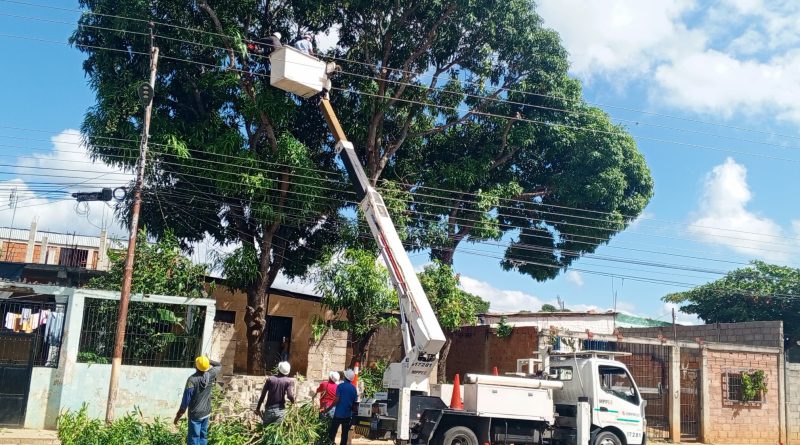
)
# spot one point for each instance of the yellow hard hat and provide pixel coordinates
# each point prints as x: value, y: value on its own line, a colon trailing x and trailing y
x: 202, y: 364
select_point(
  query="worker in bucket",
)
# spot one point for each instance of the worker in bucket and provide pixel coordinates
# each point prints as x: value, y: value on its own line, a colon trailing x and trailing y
x: 342, y: 407
x: 304, y: 45
x: 197, y: 399
x: 266, y: 46
x: 277, y: 389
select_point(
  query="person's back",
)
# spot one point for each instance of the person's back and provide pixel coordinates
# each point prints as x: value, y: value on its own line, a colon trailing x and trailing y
x: 197, y: 400
x: 347, y: 394
x: 279, y: 388
x: 328, y: 391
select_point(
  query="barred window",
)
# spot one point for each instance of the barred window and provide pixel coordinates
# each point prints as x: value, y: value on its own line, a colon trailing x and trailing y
x: 733, y: 389
x: 156, y: 334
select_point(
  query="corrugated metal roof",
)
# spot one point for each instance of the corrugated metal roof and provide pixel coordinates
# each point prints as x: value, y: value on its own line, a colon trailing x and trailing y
x: 61, y: 239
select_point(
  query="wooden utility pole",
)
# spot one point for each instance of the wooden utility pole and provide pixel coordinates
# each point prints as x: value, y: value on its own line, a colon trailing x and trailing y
x: 146, y: 95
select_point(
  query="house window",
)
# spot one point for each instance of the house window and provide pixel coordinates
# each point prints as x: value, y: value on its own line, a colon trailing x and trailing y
x: 73, y: 257
x: 732, y: 389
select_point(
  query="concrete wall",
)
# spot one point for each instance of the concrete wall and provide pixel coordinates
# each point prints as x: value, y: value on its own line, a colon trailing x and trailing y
x: 736, y: 423
x: 478, y: 349
x: 223, y: 345
x: 793, y: 403
x: 755, y: 333
x: 300, y: 309
x: 156, y: 391
x: 599, y: 323
x: 329, y: 354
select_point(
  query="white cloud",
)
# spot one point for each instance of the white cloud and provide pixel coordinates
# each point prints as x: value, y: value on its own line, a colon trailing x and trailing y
x: 574, y: 277
x: 724, y: 219
x: 501, y: 300
x: 731, y: 57
x: 680, y: 317
x: 620, y: 36
x: 55, y: 209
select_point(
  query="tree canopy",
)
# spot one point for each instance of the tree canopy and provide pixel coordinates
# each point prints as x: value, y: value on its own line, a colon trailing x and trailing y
x: 355, y: 286
x: 462, y: 107
x: 758, y: 292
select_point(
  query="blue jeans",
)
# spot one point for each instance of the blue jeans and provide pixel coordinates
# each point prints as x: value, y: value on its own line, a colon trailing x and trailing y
x: 198, y: 432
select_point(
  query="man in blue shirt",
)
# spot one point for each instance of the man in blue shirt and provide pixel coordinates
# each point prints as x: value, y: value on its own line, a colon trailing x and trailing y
x: 346, y: 396
x: 197, y: 399
x: 304, y: 45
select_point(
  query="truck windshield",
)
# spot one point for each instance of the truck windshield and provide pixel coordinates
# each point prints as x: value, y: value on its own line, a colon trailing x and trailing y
x: 618, y: 383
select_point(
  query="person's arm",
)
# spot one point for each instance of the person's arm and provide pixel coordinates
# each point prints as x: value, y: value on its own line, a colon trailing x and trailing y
x: 290, y: 392
x: 216, y: 368
x: 187, y: 398
x: 263, y: 396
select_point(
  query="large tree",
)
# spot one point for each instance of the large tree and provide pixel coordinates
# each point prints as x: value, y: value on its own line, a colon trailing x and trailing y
x: 758, y: 292
x: 465, y: 95
x: 468, y: 105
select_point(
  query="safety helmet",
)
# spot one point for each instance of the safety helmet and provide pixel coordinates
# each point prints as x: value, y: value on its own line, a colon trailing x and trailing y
x: 284, y: 368
x: 202, y: 364
x: 277, y: 34
x: 349, y: 375
x: 334, y: 376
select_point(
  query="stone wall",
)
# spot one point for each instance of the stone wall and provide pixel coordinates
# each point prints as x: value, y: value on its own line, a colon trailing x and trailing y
x: 754, y: 333
x: 742, y: 423
x: 793, y: 403
x: 241, y: 393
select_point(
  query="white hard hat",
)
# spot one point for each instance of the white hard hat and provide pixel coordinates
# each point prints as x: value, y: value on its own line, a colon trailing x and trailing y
x: 277, y: 34
x: 334, y: 375
x: 349, y: 375
x: 284, y: 368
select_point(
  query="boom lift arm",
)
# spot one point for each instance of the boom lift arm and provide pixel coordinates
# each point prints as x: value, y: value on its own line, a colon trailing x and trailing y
x: 423, y: 338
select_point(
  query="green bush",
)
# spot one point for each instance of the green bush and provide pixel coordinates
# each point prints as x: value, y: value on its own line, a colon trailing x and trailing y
x: 372, y: 377
x: 300, y: 426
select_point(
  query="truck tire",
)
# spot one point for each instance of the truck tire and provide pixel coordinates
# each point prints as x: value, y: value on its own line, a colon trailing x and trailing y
x: 607, y: 438
x: 459, y: 435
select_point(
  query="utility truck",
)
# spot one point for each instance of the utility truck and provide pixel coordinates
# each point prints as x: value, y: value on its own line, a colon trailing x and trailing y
x: 582, y: 398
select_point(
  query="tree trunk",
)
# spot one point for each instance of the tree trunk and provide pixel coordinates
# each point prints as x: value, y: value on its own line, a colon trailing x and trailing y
x: 444, y: 255
x: 361, y: 349
x: 255, y: 322
x: 441, y: 367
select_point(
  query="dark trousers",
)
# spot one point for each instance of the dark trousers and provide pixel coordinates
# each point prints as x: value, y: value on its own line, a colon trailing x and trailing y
x: 335, y: 422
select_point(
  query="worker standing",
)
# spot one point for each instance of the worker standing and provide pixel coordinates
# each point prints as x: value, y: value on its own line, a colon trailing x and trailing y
x: 277, y: 389
x: 346, y: 396
x: 304, y: 45
x: 197, y: 399
x: 327, y: 389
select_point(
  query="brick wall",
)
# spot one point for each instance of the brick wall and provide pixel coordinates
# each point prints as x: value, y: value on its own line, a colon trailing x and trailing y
x: 793, y: 402
x: 477, y: 349
x: 736, y: 423
x: 754, y: 333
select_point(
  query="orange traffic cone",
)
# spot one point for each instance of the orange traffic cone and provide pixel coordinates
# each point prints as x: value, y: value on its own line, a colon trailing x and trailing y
x: 455, y: 399
x: 356, y: 369
x: 494, y: 371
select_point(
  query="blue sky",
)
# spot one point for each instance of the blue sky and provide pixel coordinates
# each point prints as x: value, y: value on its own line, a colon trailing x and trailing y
x: 723, y: 195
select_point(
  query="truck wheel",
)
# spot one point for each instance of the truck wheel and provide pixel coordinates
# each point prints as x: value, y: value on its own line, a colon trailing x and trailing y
x: 607, y: 438
x: 459, y: 435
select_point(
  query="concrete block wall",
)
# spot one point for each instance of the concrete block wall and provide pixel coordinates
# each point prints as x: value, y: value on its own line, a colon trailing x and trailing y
x: 387, y: 345
x: 754, y: 333
x: 736, y: 423
x: 223, y: 346
x: 329, y: 354
x: 793, y: 403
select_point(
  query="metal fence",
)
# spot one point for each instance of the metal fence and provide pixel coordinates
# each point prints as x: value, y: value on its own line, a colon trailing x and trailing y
x: 31, y: 332
x: 157, y: 334
x: 649, y: 366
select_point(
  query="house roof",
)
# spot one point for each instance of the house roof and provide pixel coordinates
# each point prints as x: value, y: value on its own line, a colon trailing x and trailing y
x: 62, y: 239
